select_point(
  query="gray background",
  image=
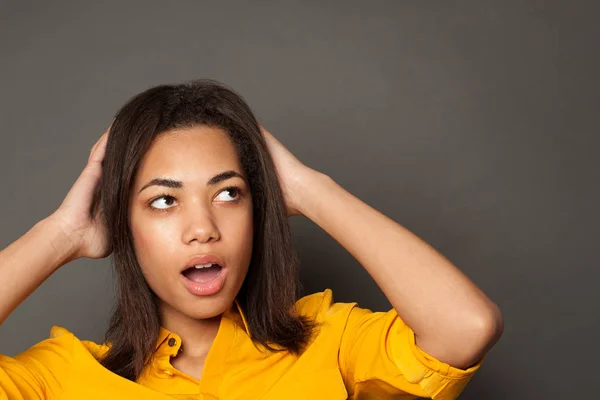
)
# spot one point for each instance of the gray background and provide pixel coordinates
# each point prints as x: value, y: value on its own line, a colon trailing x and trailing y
x: 471, y: 123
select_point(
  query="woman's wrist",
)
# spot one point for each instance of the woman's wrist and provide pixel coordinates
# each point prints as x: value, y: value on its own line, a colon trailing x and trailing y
x: 64, y: 240
x: 307, y: 187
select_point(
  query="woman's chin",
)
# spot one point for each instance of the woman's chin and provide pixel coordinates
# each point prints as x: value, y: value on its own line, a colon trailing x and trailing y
x: 206, y: 307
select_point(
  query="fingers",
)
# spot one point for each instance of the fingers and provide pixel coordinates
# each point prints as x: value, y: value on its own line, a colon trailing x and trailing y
x: 261, y: 127
x: 99, y: 148
x: 265, y: 132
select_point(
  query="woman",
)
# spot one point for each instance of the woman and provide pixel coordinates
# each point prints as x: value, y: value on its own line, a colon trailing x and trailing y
x: 191, y: 196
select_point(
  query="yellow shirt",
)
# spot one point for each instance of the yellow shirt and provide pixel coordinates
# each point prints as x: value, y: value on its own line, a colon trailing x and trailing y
x: 357, y: 354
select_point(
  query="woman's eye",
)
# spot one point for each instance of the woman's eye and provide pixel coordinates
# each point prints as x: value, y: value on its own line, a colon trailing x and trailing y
x: 164, y: 202
x: 168, y: 199
x: 233, y: 192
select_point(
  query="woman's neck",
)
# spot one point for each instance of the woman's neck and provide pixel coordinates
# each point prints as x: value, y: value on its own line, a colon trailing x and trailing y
x: 197, y: 335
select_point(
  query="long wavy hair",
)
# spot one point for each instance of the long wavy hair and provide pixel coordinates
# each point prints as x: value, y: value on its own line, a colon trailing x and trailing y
x: 271, y: 286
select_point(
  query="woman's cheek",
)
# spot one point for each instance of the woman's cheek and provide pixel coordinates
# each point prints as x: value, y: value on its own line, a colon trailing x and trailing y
x: 244, y: 238
x: 151, y: 247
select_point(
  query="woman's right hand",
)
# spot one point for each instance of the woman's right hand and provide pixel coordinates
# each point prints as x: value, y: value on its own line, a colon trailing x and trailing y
x: 76, y: 215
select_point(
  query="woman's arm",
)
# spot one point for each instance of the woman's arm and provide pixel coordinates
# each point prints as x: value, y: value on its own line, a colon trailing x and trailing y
x: 69, y: 233
x: 30, y: 260
x: 452, y: 318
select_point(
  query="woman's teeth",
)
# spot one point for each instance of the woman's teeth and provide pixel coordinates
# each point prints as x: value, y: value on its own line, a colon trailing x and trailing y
x: 203, y: 266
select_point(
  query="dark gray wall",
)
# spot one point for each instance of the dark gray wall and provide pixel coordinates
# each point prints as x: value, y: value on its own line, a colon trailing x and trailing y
x: 471, y: 123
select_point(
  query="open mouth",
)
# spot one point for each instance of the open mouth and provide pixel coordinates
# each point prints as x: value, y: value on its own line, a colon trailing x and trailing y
x: 203, y: 273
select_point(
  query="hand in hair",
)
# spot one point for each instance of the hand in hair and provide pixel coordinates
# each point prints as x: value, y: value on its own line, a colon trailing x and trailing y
x: 80, y: 214
x: 292, y: 172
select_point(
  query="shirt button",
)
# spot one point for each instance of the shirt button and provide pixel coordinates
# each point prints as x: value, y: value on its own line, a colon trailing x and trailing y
x: 168, y: 372
x: 172, y: 342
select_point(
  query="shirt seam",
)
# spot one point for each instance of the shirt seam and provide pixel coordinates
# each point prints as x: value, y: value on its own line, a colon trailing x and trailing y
x: 343, y: 368
x: 70, y: 373
x: 281, y: 377
x: 232, y: 346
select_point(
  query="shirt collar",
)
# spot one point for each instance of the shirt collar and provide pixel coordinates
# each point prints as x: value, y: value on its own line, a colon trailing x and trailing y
x: 235, y: 313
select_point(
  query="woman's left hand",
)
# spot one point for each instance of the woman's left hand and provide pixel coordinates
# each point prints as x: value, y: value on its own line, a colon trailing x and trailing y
x: 293, y: 174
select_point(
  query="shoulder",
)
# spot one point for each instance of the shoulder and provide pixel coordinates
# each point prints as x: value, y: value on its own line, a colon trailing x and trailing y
x: 44, y: 369
x: 63, y: 339
x: 60, y: 332
x: 53, y: 355
x: 321, y: 306
x: 59, y: 344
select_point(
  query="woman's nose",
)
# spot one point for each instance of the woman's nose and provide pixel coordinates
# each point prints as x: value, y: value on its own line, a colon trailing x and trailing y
x: 200, y: 225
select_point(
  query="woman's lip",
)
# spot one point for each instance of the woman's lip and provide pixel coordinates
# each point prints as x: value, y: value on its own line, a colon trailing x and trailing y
x: 205, y: 289
x: 202, y: 259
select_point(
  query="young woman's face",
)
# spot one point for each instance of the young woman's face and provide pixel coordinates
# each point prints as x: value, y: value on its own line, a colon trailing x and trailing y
x: 193, y: 215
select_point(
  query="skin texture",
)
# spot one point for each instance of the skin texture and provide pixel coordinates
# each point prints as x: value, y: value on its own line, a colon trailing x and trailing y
x: 196, y: 219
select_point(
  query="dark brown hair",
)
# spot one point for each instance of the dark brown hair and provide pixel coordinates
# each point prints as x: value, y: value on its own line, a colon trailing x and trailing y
x: 270, y: 289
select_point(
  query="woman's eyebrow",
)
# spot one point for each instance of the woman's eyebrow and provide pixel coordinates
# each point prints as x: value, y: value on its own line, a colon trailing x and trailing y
x: 174, y: 184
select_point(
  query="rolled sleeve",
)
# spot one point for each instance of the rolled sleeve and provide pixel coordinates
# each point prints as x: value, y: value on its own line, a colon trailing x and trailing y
x: 378, y: 357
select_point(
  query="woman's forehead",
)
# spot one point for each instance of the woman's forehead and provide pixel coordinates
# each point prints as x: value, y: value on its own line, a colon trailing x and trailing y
x: 193, y: 155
